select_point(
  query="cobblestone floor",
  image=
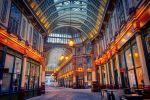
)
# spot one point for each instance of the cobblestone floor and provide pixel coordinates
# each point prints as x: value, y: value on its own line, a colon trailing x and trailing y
x: 68, y: 94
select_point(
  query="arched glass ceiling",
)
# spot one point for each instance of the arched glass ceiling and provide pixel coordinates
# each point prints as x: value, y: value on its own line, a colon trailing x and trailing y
x: 84, y: 16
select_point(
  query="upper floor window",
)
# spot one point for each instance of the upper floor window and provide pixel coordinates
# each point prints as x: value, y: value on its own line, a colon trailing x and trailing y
x: 4, y: 10
x: 30, y: 35
x: 14, y: 20
x: 23, y: 31
x: 120, y: 12
x: 35, y: 39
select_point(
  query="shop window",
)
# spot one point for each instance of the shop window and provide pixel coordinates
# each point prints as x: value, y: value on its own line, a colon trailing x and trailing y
x: 129, y: 59
x: 89, y: 76
x: 27, y: 76
x: 16, y: 74
x: 36, y: 77
x: 137, y: 64
x: 147, y: 39
x: 31, y: 81
x: 122, y: 60
x: 4, y: 10
x: 132, y: 79
x: 14, y: 20
x: 131, y: 74
x: 136, y: 56
x: 8, y: 69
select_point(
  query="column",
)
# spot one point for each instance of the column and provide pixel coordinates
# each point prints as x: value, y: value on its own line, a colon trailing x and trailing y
x: 74, y: 80
x: 107, y: 73
x: 142, y: 59
x: 40, y: 76
x: 118, y: 69
x: 112, y: 70
x: 94, y: 75
x: 23, y: 79
x: 43, y: 76
x: 24, y: 72
x: 85, y: 79
x: 100, y: 69
x: 43, y: 80
x: 95, y: 87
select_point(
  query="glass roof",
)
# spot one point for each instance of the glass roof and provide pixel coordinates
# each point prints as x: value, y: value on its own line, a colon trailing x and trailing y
x: 66, y: 20
x: 83, y: 17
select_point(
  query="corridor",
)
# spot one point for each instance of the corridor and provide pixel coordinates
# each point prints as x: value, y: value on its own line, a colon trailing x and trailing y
x: 61, y: 93
x: 73, y: 49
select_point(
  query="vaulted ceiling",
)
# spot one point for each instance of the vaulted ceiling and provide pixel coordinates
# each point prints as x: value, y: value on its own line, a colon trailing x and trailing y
x: 79, y: 20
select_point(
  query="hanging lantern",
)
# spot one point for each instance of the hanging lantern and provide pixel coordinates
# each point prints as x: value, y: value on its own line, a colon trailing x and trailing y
x: 62, y: 57
x: 71, y: 43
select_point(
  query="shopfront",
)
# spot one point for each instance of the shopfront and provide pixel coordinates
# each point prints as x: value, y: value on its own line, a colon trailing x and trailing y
x: 11, y: 70
x: 130, y: 66
x: 146, y: 45
x: 32, y: 78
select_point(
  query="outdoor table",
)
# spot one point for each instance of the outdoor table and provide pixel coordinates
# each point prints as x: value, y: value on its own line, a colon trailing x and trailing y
x: 139, y: 91
x: 133, y: 97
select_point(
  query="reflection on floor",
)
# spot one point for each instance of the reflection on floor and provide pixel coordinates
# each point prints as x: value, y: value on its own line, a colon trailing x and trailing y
x: 60, y: 93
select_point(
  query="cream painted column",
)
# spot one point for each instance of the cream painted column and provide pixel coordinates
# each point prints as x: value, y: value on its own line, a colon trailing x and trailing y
x: 24, y: 72
x: 100, y: 72
x: 43, y: 76
x: 74, y: 78
x: 118, y: 69
x: 112, y: 70
x: 94, y: 76
x: 85, y: 77
x: 105, y: 67
x: 40, y: 76
x: 107, y: 71
x: 142, y: 59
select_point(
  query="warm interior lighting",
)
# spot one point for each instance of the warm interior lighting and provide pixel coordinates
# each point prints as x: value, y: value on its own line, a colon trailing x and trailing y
x: 136, y: 55
x: 71, y: 43
x: 66, y: 58
x: 123, y: 40
x: 62, y: 57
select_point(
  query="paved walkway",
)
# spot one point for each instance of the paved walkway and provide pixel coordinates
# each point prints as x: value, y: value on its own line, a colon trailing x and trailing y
x: 68, y: 94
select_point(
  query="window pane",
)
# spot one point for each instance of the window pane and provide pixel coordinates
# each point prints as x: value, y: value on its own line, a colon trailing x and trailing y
x: 15, y: 83
x: 9, y: 63
x: 23, y: 28
x: 147, y: 39
x: 139, y: 76
x: 14, y: 20
x: 6, y: 82
x: 136, y: 56
x: 122, y: 60
x: 132, y: 80
x: 18, y: 63
x: 129, y: 59
x: 89, y: 76
x: 28, y: 68
x: 4, y: 10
